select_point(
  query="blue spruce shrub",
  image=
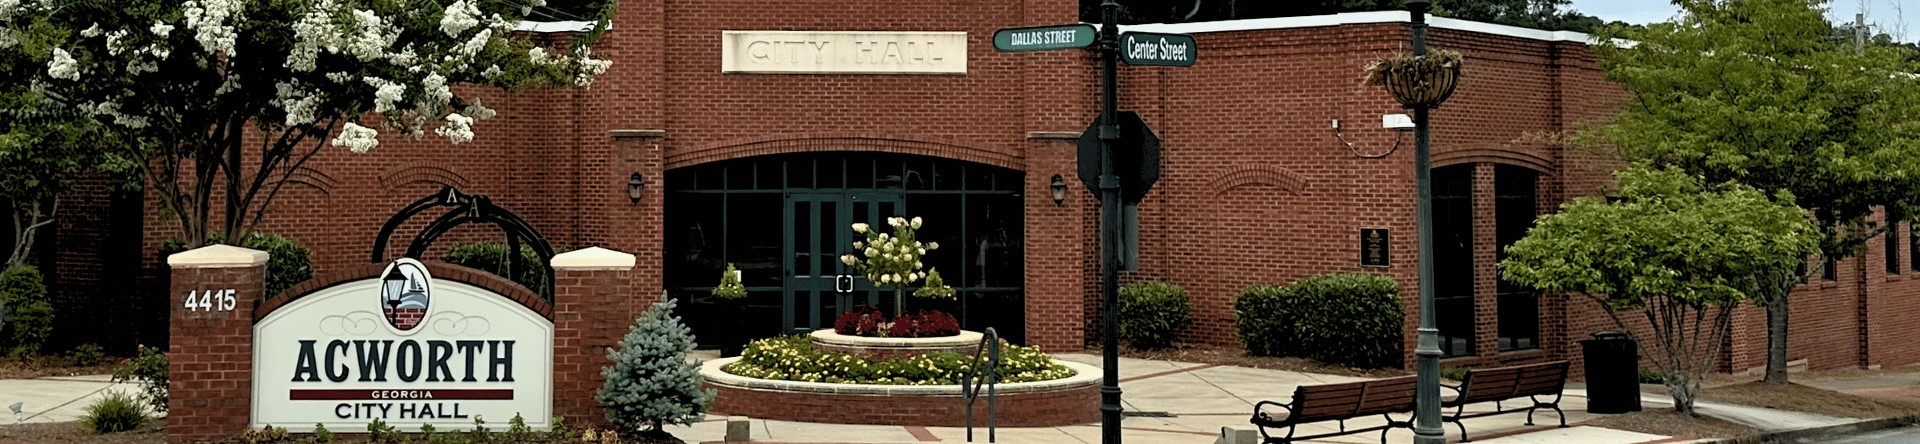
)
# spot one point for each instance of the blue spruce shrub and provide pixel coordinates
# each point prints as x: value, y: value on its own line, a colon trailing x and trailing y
x: 650, y: 382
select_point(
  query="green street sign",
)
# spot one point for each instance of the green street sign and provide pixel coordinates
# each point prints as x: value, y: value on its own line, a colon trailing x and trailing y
x: 1044, y: 38
x: 1146, y: 48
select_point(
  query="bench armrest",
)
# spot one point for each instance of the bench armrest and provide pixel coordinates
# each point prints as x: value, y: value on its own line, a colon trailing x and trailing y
x: 1261, y: 415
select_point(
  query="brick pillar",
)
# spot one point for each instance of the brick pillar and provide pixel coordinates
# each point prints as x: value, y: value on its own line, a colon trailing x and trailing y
x: 593, y: 304
x: 211, y: 352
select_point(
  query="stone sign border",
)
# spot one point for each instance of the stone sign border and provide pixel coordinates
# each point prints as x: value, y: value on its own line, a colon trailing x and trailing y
x: 210, y: 351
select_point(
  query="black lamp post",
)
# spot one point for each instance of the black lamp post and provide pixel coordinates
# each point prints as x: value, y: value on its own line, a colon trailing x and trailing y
x: 1421, y: 91
x: 396, y: 284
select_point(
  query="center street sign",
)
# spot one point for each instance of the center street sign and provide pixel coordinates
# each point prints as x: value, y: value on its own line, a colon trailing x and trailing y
x: 1044, y: 38
x: 1146, y: 48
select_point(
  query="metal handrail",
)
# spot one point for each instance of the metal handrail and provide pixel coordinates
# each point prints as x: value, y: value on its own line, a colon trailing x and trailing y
x: 987, y: 373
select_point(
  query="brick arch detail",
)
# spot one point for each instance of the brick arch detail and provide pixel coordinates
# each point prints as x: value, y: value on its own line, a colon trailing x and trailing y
x: 439, y: 270
x: 310, y: 177
x: 823, y: 142
x: 419, y: 172
x: 1499, y: 155
x: 1244, y: 175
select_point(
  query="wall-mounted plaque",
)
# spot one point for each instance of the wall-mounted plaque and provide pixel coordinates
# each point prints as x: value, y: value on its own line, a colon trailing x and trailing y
x: 1375, y: 247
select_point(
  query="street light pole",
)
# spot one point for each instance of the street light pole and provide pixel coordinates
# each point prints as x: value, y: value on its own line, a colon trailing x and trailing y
x: 1426, y: 427
x: 1109, y: 225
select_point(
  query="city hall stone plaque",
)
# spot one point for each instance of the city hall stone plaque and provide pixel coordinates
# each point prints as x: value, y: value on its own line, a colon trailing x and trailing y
x: 843, y: 52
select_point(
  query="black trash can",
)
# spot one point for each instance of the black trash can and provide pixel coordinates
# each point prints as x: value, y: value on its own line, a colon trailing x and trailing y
x: 1613, y: 373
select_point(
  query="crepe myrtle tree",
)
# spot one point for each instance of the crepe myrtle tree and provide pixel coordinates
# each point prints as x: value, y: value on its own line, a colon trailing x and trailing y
x: 198, y: 85
x: 1674, y: 249
x: 1758, y: 92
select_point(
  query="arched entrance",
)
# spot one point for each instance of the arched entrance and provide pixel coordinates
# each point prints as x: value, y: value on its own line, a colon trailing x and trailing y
x: 783, y: 220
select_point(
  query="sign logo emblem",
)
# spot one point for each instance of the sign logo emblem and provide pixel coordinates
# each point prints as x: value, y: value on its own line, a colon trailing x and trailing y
x: 405, y: 292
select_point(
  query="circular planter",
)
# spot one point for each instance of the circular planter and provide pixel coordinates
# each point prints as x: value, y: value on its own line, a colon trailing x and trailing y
x: 1071, y: 400
x: 882, y: 348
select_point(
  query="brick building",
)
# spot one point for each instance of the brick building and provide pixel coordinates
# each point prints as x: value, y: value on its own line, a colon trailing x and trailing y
x: 752, y: 148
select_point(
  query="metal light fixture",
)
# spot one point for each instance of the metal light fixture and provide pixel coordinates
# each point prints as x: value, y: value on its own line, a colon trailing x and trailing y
x: 396, y: 285
x: 636, y: 184
x: 1059, y: 187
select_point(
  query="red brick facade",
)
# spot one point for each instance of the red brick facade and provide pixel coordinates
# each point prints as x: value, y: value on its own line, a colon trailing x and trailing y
x: 1255, y: 188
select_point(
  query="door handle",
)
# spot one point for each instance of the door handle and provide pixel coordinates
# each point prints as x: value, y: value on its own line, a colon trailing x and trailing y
x: 843, y: 283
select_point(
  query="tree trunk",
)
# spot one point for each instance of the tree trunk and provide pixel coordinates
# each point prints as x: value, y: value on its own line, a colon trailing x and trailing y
x: 1777, y: 339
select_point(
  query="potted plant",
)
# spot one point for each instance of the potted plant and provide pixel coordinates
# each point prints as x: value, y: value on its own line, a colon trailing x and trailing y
x: 892, y: 261
x: 729, y: 292
x: 1422, y: 81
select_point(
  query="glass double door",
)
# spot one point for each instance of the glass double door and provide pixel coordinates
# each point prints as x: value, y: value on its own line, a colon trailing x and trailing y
x: 817, y: 285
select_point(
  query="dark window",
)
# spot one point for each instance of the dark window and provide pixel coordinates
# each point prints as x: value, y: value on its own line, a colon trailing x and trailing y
x: 1452, y: 189
x: 1893, y: 246
x: 1829, y: 269
x: 1913, y: 246
x: 1514, y: 211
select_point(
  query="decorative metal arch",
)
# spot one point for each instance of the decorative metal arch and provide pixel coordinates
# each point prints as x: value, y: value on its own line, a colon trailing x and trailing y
x: 469, y: 208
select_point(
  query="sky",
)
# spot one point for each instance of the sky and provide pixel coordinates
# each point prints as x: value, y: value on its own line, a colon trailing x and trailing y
x: 1893, y: 16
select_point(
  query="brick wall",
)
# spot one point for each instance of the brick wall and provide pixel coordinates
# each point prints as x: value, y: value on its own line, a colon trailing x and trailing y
x: 1255, y: 187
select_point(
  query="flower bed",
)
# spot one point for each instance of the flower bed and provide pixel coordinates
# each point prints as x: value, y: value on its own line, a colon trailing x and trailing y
x: 874, y: 324
x: 796, y: 358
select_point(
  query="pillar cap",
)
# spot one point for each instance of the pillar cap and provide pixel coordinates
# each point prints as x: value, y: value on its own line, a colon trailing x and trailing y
x: 218, y: 256
x: 593, y: 258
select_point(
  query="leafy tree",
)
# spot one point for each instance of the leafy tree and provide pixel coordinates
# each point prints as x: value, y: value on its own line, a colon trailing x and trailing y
x: 1679, y: 252
x: 1758, y: 92
x: 1555, y: 15
x: 195, y: 85
x: 42, y: 145
x: 650, y: 382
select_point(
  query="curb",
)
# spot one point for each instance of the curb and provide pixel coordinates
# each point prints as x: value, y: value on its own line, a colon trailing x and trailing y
x: 1794, y: 435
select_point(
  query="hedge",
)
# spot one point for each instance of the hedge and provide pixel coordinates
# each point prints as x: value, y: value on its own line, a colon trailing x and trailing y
x: 28, y: 312
x: 1347, y: 319
x: 1152, y: 313
x: 491, y: 257
x: 288, y: 262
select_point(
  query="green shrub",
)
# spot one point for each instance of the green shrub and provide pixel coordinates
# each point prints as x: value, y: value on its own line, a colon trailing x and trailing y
x: 27, y: 313
x: 492, y: 258
x: 1152, y: 313
x: 1262, y: 323
x: 650, y: 383
x: 1652, y: 377
x: 88, y: 355
x: 115, y: 412
x: 149, y: 367
x: 321, y: 434
x: 1346, y: 319
x: 288, y: 262
x: 1453, y: 373
x: 264, y: 435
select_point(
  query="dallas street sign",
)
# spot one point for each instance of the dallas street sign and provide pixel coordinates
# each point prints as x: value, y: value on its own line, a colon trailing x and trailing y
x: 1145, y: 48
x: 1044, y: 38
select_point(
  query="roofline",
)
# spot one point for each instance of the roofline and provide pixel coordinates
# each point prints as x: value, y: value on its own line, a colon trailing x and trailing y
x: 1358, y: 18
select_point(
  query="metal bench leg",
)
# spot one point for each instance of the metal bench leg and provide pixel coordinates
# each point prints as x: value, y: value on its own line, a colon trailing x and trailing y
x: 1457, y: 411
x: 1555, y: 405
x: 1530, y: 414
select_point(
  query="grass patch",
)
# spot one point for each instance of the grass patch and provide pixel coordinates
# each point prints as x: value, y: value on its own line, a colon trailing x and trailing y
x: 1663, y: 421
x: 1800, y: 398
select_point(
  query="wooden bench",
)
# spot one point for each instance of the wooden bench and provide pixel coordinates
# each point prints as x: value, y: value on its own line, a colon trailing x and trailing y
x: 1337, y: 402
x: 1504, y: 383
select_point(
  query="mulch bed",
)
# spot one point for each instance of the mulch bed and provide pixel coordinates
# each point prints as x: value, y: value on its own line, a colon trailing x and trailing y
x: 44, y: 366
x: 72, y: 432
x: 1236, y: 356
x: 1800, y: 398
x: 1666, y: 422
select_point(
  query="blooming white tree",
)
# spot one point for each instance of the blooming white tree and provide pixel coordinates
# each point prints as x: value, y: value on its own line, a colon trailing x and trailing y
x: 192, y: 84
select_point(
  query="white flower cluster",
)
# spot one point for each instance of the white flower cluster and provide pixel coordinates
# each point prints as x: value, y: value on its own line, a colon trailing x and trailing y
x: 8, y: 8
x: 112, y: 109
x: 474, y: 45
x: 890, y: 260
x: 302, y: 106
x: 539, y: 56
x: 312, y: 33
x: 458, y: 129
x: 7, y: 40
x: 385, y: 94
x: 478, y: 111
x: 438, y: 93
x: 357, y: 138
x: 461, y: 16
x: 63, y: 66
x: 213, y: 23
x: 371, y: 36
x: 590, y: 68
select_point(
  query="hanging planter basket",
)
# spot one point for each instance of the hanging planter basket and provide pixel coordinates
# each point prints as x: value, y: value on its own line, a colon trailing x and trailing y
x: 1418, y: 81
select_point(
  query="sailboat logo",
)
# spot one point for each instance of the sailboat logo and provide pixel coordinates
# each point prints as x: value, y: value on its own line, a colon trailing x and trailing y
x: 405, y: 290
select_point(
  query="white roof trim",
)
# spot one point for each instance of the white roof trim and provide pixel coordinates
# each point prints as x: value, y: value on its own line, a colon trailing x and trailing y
x: 570, y: 26
x: 1356, y: 18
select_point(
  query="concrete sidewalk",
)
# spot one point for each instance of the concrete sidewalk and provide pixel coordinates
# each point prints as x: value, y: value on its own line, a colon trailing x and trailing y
x: 1167, y: 402
x: 1180, y: 402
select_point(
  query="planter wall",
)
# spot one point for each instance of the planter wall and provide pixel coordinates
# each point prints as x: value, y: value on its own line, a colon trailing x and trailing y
x: 1074, y: 400
x: 965, y: 343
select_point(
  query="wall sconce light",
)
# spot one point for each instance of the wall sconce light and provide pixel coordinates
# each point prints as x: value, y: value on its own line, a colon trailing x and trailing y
x: 636, y: 184
x: 1059, y: 190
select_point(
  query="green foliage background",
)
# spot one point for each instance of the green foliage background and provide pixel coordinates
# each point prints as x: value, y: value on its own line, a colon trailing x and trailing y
x: 1152, y: 313
x: 29, y: 316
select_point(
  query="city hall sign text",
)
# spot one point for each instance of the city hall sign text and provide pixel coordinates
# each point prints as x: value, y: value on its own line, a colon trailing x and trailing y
x: 843, y: 52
